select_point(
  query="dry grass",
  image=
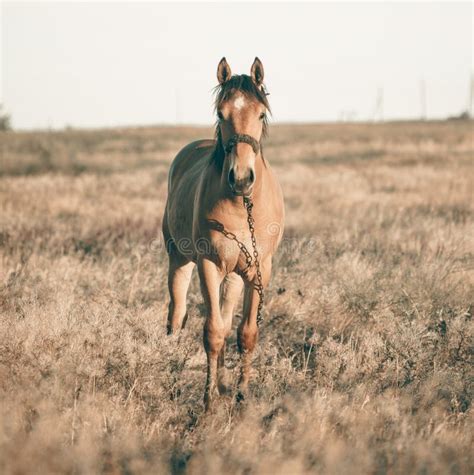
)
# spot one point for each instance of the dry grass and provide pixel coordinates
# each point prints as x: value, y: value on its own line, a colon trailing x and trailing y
x: 364, y: 363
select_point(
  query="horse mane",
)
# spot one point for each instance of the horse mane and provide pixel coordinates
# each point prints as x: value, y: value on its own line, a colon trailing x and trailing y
x: 246, y: 85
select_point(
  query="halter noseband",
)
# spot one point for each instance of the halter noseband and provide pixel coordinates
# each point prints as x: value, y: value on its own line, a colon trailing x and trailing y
x: 234, y: 140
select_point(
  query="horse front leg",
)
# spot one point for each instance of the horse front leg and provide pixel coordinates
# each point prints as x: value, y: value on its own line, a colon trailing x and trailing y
x: 247, y: 333
x: 214, y: 328
x: 231, y: 290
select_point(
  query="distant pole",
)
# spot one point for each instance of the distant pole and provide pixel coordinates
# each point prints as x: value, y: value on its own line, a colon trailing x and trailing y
x: 378, y: 109
x: 471, y: 96
x: 423, y: 99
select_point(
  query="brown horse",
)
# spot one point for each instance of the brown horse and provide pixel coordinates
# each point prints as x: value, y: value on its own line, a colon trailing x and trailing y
x: 225, y: 213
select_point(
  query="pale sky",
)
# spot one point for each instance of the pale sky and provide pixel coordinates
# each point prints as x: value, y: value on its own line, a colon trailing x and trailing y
x: 107, y: 64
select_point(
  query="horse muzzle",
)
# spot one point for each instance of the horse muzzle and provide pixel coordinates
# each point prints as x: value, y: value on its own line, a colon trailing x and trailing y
x: 241, y: 185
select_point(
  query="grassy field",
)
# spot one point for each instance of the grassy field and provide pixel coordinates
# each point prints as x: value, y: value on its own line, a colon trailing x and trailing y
x: 365, y: 360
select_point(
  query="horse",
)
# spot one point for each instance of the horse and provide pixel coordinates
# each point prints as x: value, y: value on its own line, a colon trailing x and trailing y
x: 225, y: 214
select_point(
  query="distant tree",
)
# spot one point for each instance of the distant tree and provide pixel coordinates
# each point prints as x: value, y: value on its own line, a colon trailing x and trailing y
x: 5, y: 122
x: 464, y: 115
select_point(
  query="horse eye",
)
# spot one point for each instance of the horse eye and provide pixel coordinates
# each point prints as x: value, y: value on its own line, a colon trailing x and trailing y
x: 220, y: 116
x: 262, y: 116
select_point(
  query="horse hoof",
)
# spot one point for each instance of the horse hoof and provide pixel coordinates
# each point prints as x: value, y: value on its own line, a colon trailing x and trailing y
x: 210, y: 399
x: 224, y: 389
x: 240, y: 397
x: 170, y: 331
x: 208, y: 404
x: 224, y: 382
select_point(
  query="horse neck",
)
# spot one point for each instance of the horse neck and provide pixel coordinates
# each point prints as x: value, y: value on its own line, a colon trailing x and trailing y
x: 260, y: 171
x: 218, y: 154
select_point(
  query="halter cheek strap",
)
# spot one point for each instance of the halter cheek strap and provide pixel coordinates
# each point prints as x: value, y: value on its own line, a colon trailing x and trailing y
x: 244, y: 138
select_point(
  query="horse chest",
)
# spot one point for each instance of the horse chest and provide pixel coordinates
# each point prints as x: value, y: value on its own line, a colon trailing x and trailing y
x: 233, y: 251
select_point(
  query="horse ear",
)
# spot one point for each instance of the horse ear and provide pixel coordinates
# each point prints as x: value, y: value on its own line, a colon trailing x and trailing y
x: 223, y: 71
x: 257, y: 72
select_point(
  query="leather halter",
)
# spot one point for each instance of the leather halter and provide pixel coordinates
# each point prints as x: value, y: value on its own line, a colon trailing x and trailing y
x: 244, y: 138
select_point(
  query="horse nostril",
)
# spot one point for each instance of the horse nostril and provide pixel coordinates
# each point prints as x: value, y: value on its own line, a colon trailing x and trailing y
x: 231, y: 177
x: 251, y: 177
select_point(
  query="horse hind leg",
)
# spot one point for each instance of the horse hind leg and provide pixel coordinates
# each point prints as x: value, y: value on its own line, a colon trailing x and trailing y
x: 231, y: 290
x: 179, y: 277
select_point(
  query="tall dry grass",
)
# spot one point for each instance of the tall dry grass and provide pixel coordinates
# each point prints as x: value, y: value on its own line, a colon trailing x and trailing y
x: 365, y: 359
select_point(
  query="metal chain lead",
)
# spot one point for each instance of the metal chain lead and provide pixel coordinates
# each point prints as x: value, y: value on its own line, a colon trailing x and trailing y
x: 258, y: 285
